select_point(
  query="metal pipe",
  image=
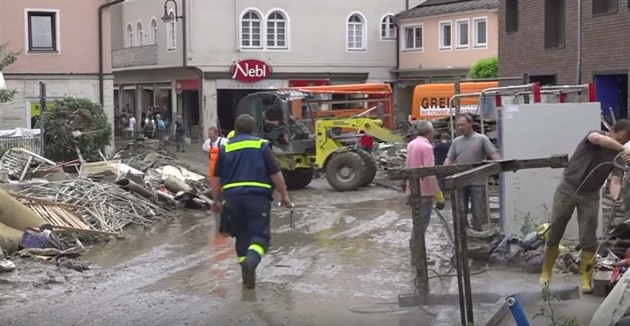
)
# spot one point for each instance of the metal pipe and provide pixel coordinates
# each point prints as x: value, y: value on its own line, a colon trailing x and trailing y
x: 184, y: 34
x: 517, y: 310
x: 578, y: 77
x: 101, y: 78
x: 458, y: 256
x: 465, y: 270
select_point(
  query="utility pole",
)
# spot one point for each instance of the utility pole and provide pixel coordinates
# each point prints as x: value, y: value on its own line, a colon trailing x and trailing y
x: 42, y: 109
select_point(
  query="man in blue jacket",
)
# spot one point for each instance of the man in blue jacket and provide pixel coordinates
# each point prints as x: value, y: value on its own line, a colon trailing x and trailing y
x: 247, y: 171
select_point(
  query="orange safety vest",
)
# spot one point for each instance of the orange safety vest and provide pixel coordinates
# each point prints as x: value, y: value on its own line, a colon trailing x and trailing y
x: 213, y: 154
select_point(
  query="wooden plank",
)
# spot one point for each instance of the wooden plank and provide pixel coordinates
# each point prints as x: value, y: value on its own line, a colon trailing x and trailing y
x: 84, y: 231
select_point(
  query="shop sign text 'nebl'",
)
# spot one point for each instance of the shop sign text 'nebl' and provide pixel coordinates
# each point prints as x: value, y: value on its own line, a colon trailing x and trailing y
x: 250, y: 71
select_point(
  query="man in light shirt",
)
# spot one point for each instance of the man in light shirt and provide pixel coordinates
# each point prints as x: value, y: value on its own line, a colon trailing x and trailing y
x: 420, y: 154
x: 212, y: 146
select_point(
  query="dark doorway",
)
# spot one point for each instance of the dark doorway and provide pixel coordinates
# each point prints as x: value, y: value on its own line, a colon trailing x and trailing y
x: 544, y: 80
x: 227, y: 102
x: 612, y: 93
x: 190, y: 104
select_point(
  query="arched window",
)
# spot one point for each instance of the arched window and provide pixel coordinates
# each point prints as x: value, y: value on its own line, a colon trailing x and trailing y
x: 356, y: 33
x: 250, y: 30
x: 140, y: 34
x: 154, y: 31
x: 388, y: 28
x: 129, y: 36
x: 277, y: 30
x: 171, y: 33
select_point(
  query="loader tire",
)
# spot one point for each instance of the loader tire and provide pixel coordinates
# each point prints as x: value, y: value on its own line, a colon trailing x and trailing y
x: 298, y: 178
x: 370, y: 163
x: 346, y: 171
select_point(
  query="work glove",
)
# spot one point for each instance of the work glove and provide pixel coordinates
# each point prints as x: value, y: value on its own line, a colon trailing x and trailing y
x: 439, y: 200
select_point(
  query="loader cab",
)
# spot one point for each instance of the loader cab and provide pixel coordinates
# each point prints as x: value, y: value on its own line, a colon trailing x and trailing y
x: 274, y: 122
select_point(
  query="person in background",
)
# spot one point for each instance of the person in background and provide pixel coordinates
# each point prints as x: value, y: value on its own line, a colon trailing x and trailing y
x: 247, y: 172
x: 131, y: 126
x: 420, y: 154
x: 441, y: 151
x: 180, y: 134
x: 161, y: 125
x: 149, y: 126
x: 472, y: 147
x: 366, y: 142
x: 143, y: 120
x: 212, y: 146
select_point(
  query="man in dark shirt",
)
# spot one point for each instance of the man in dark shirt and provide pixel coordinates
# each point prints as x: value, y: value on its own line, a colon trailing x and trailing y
x: 247, y: 172
x: 440, y: 151
x: 580, y: 188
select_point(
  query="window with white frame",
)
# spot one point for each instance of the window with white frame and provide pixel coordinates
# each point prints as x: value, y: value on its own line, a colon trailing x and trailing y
x: 171, y: 33
x: 250, y: 30
x: 480, y: 32
x: 462, y: 34
x: 413, y: 37
x: 277, y: 30
x: 388, y: 28
x: 42, y: 31
x: 129, y: 36
x: 445, y: 35
x: 154, y: 31
x: 140, y: 34
x: 356, y: 33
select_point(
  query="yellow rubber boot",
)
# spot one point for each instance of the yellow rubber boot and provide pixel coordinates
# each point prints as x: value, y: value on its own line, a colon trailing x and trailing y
x: 551, y: 254
x: 587, y: 267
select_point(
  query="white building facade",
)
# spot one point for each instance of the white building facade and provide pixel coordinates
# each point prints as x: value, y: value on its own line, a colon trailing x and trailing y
x: 217, y: 52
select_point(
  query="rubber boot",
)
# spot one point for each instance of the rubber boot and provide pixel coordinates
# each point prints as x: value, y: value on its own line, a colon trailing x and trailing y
x: 551, y: 254
x: 242, y: 273
x: 587, y: 267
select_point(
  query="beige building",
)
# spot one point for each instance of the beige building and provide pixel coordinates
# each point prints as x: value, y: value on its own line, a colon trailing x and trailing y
x: 59, y: 45
x: 441, y: 39
x: 201, y: 64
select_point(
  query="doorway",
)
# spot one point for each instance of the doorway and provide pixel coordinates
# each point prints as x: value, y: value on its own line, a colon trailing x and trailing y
x: 612, y: 92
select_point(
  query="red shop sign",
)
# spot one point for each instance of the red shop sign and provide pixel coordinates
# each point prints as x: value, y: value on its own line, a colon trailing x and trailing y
x: 250, y: 71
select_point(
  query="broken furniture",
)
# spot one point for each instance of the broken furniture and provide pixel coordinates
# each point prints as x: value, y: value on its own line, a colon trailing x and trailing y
x: 457, y: 177
x: 18, y: 161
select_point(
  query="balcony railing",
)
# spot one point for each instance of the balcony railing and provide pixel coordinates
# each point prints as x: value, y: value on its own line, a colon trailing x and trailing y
x: 136, y: 56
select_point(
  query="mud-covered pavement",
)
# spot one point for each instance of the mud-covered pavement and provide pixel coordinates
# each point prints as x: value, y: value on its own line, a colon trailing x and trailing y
x: 346, y: 250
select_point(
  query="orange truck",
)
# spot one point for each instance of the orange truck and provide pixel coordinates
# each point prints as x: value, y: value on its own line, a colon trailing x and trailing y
x: 431, y: 101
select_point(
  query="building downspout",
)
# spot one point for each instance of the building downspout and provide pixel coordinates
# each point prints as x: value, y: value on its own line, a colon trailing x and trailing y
x: 101, y: 90
x: 194, y: 69
x: 579, y: 44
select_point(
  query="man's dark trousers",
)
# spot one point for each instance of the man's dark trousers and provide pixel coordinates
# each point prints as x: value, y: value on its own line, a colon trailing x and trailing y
x: 250, y: 222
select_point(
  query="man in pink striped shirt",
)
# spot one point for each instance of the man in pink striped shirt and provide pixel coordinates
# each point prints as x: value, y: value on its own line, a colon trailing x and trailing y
x: 420, y: 154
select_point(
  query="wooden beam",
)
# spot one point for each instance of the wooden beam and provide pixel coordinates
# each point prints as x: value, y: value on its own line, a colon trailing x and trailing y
x: 460, y: 180
x: 553, y: 161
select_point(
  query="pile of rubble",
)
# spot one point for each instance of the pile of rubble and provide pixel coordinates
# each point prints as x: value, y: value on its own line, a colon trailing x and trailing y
x: 51, y: 209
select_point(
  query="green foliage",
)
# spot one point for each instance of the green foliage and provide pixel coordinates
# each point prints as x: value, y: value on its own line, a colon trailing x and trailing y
x: 7, y: 58
x: 70, y: 115
x: 547, y: 310
x: 485, y: 68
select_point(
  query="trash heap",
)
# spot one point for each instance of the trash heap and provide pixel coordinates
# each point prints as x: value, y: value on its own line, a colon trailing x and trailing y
x: 52, y: 209
x: 527, y: 253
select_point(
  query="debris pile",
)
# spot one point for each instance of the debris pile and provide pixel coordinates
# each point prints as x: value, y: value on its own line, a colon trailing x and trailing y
x: 50, y: 210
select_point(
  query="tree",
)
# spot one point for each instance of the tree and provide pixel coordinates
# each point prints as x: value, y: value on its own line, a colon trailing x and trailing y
x: 75, y: 123
x: 485, y: 68
x: 6, y: 59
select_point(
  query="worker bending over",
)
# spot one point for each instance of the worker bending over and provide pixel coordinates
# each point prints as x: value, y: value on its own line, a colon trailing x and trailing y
x: 247, y: 171
x: 585, y: 168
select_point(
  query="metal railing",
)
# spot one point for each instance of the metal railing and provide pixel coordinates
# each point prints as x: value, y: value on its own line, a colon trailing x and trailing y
x: 31, y: 143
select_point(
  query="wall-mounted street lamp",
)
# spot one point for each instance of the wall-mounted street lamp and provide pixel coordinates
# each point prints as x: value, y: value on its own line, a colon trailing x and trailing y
x: 3, y: 84
x: 168, y: 16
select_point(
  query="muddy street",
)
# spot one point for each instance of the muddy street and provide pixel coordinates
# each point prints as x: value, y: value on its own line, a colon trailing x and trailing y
x: 346, y: 250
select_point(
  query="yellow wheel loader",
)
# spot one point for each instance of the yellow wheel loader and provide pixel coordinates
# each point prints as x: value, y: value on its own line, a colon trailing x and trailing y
x: 304, y: 144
